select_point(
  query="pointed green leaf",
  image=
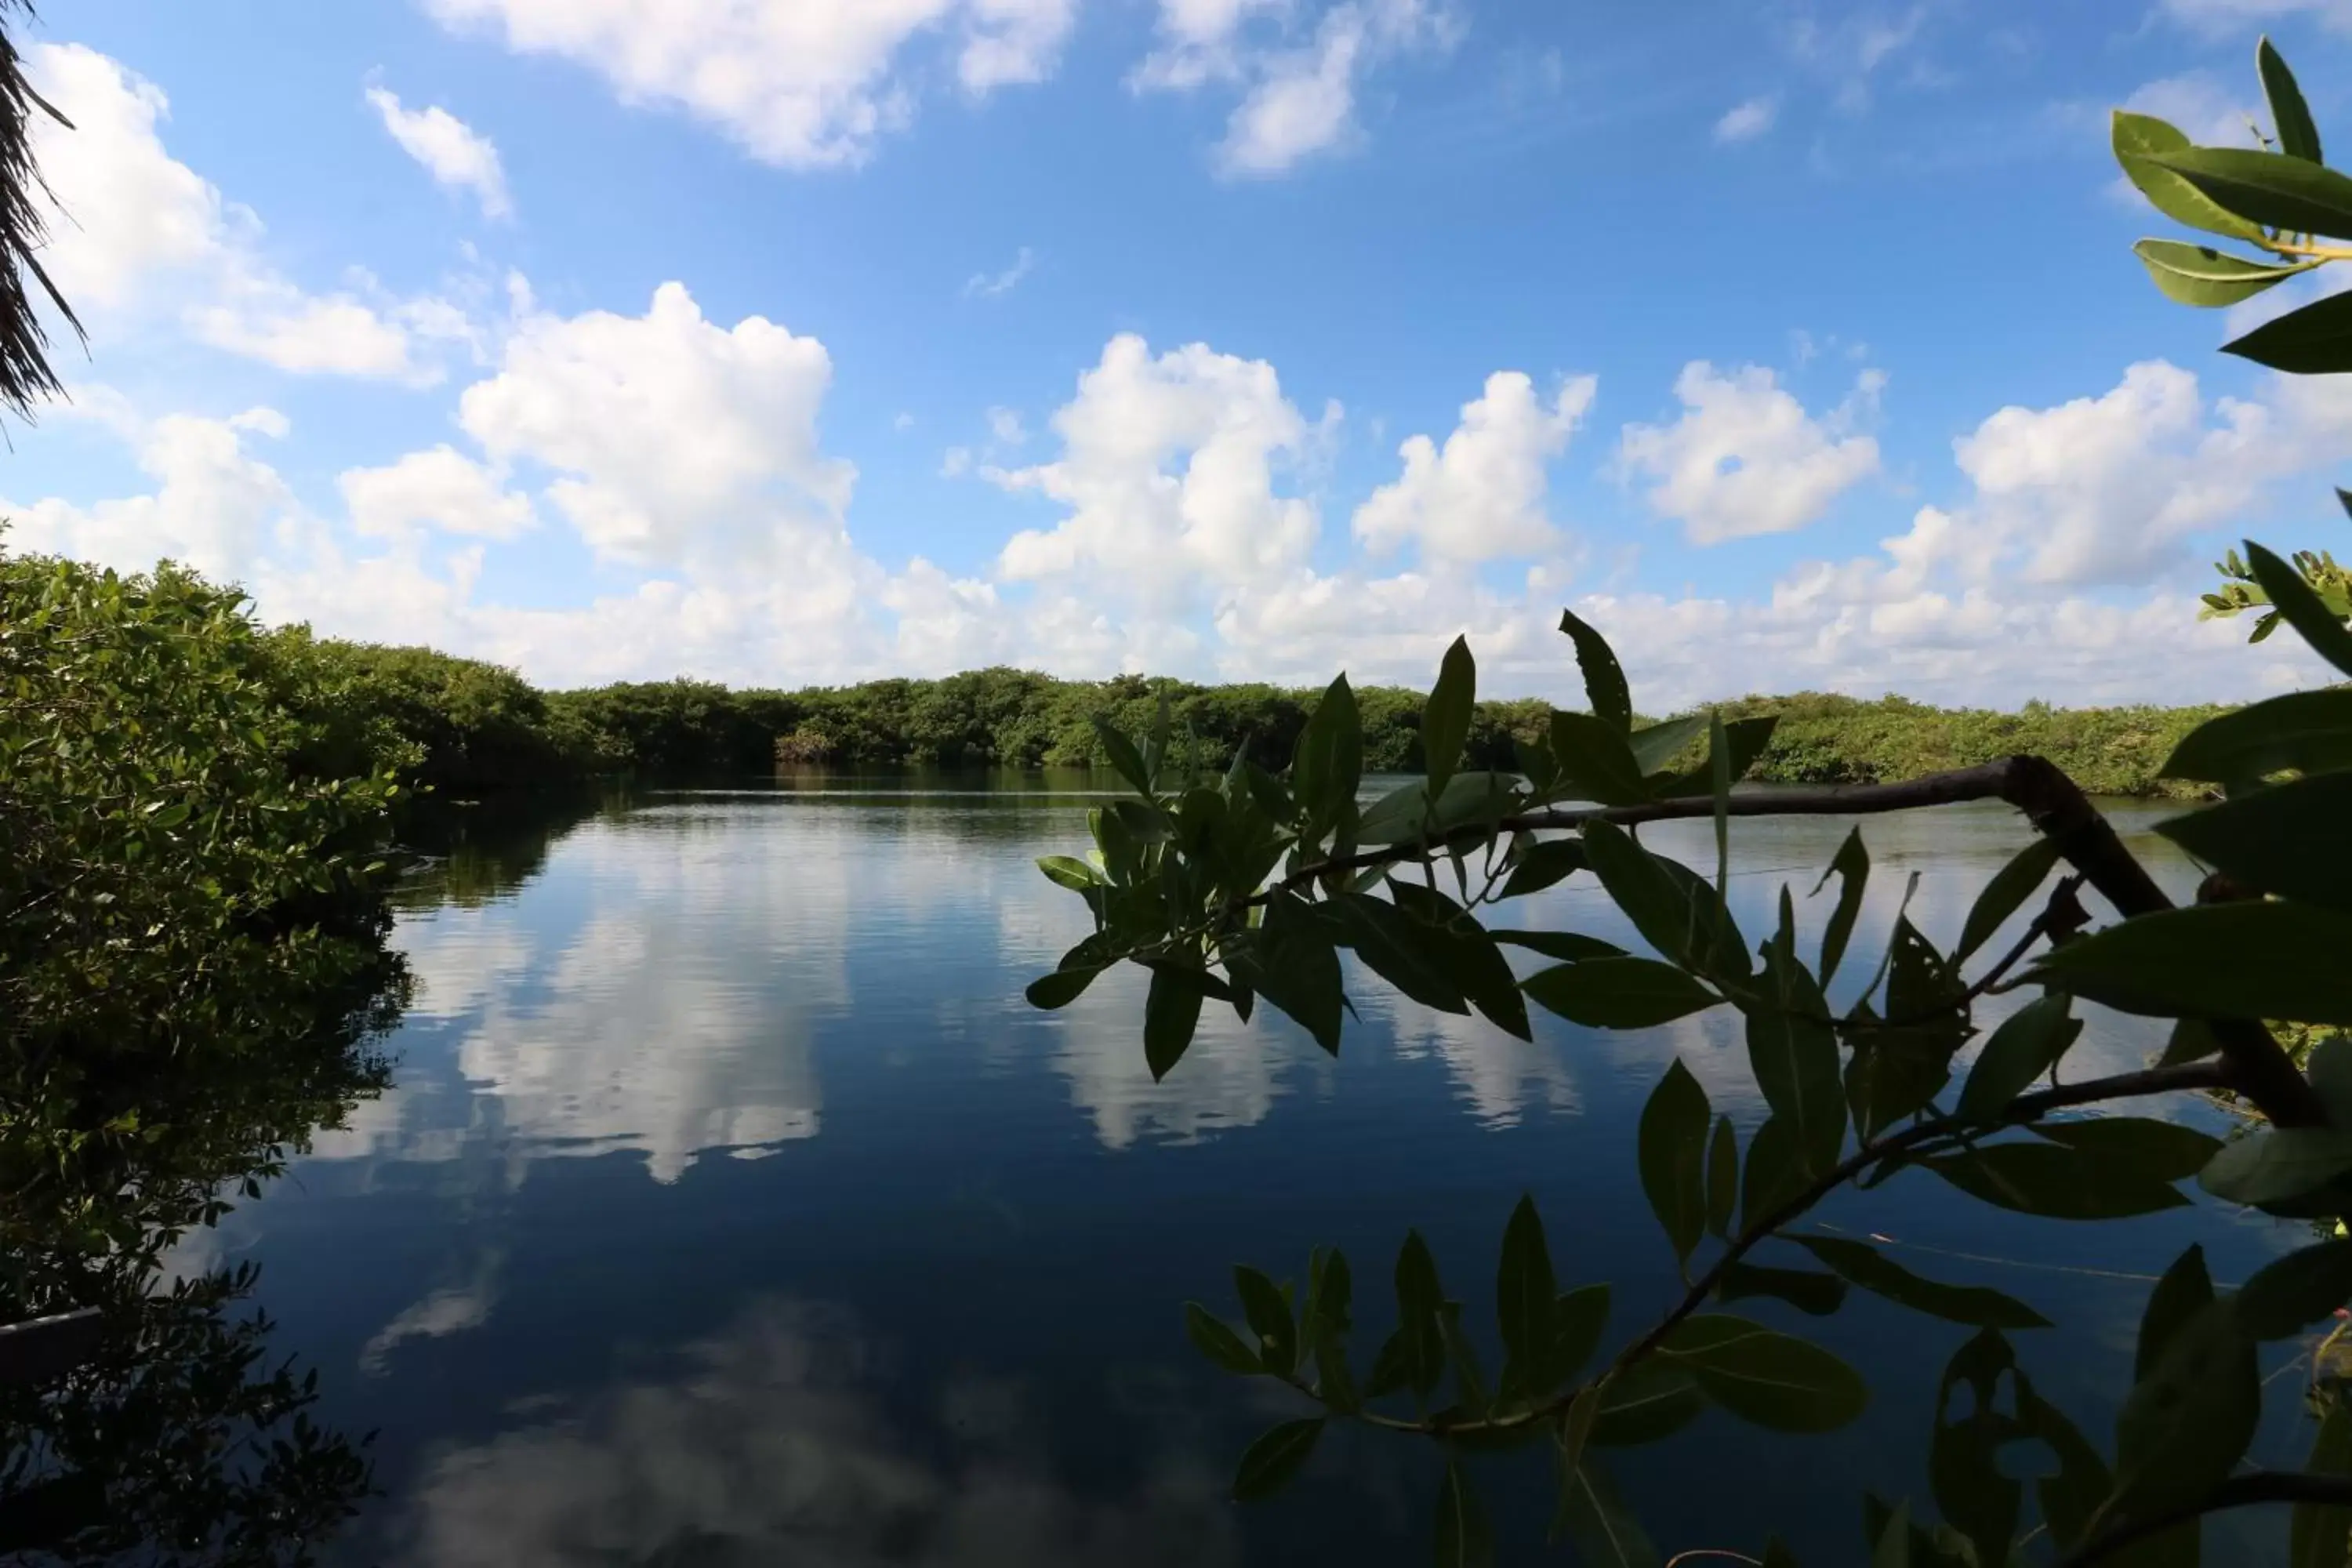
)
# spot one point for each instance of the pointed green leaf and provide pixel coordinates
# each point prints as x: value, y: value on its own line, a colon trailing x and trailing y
x: 1566, y: 945
x: 1464, y: 1540
x: 1744, y: 741
x: 2312, y: 339
x: 1852, y: 867
x: 1793, y: 1054
x: 1658, y: 744
x: 1445, y: 718
x: 2322, y: 628
x: 1605, y: 682
x: 2142, y: 1146
x: 1595, y: 762
x: 2290, y: 839
x: 2005, y: 894
x: 1212, y: 1337
x: 1618, y: 992
x: 1672, y: 907
x: 1594, y: 1514
x: 2187, y: 1421
x: 2269, y: 188
x: 1548, y: 861
x: 1673, y: 1150
x: 2310, y: 732
x: 1774, y: 1380
x: 2137, y: 138
x: 1291, y: 962
x: 2053, y: 1181
x: 2199, y: 275
x: 1062, y: 987
x: 2288, y: 1294
x: 1647, y: 1402
x: 2184, y: 1290
x: 1270, y: 1320
x: 2277, y: 1166
x: 1871, y: 1269
x: 1269, y: 1463
x: 1398, y: 948
x: 1123, y: 755
x: 1328, y: 763
x: 1722, y: 1178
x: 2026, y: 1046
x: 1578, y: 1319
x: 1817, y: 1295
x: 1771, y: 1175
x: 1170, y: 1013
x: 1524, y: 1292
x: 2290, y: 116
x: 2247, y: 960
x: 1069, y: 872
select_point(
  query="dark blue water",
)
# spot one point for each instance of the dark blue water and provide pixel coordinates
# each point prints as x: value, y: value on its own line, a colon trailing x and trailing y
x: 731, y: 1206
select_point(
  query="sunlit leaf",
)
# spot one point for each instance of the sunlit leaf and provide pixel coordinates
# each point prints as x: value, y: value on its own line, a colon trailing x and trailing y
x: 2271, y: 188
x: 2290, y: 116
x: 2199, y: 275
x: 2137, y: 138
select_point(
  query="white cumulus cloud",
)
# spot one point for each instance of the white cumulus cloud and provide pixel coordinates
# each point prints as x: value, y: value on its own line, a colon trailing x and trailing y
x: 1482, y: 495
x: 805, y: 84
x: 453, y: 153
x: 1745, y: 457
x: 1747, y: 121
x: 439, y: 487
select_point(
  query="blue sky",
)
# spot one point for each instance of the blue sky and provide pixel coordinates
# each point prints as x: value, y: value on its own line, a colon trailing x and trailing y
x: 795, y: 341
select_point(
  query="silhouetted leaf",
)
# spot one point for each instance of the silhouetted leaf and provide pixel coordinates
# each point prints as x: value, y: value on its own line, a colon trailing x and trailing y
x: 1578, y: 1318
x: 2277, y: 1164
x: 1464, y: 1540
x: 1618, y: 992
x: 1328, y: 763
x: 2026, y: 1046
x: 2315, y: 340
x: 1466, y: 951
x: 1270, y: 1462
x: 1123, y: 755
x: 1793, y: 1054
x: 2255, y: 959
x: 2189, y: 1419
x: 1673, y: 909
x: 2318, y: 1535
x: 1445, y: 718
x: 1650, y: 1400
x: 2293, y: 597
x: 1562, y: 944
x: 2161, y: 1151
x: 1659, y: 745
x: 1594, y: 1514
x: 2289, y: 839
x: 2005, y: 894
x: 1213, y: 1339
x: 2288, y: 1294
x: 1170, y: 1013
x: 1290, y: 962
x: 1745, y: 739
x: 1851, y: 866
x: 1774, y: 1380
x: 2308, y: 731
x: 1771, y: 1175
x: 2052, y: 1181
x: 1880, y: 1275
x: 1605, y: 682
x: 1398, y: 948
x: 1546, y: 862
x: 1817, y: 1295
x: 1722, y: 1177
x: 1269, y: 1318
x: 1595, y: 762
x: 1524, y: 1292
x: 1673, y: 1150
x: 1062, y: 987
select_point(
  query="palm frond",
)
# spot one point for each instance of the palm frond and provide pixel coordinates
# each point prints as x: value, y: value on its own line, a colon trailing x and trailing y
x: 25, y: 377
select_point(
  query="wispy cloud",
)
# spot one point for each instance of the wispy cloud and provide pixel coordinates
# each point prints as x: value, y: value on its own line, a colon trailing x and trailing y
x: 1746, y: 121
x: 995, y: 285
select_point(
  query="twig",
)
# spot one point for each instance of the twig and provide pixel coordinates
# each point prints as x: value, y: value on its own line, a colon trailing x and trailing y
x: 2237, y: 1491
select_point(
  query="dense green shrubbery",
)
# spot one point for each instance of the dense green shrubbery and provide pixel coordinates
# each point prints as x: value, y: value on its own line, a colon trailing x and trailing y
x: 482, y: 729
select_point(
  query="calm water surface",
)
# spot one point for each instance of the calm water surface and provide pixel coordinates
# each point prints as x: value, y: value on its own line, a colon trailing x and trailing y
x: 731, y: 1206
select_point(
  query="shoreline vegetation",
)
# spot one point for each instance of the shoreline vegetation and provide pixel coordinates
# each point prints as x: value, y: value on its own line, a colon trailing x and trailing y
x: 481, y: 729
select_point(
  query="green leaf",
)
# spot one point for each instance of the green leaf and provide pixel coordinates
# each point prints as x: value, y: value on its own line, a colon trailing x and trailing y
x: 1774, y: 1380
x: 1605, y: 682
x: 1469, y: 1381
x: 1464, y: 1540
x: 2277, y: 1164
x: 2288, y: 1294
x: 1562, y: 944
x: 1268, y: 1311
x: 1268, y: 1464
x: 2005, y: 894
x: 1419, y: 1299
x: 2160, y: 1151
x: 2191, y: 1040
x: 1618, y: 992
x: 1873, y: 1271
x: 1659, y: 745
x: 2199, y: 275
x: 1170, y: 1013
x: 1647, y: 1402
x: 1328, y: 763
x: 1123, y: 756
x: 1546, y: 862
x: 1673, y: 1150
x: 1445, y: 718
x: 2311, y: 339
x: 2322, y: 628
x: 1672, y: 907
x: 1069, y: 872
x: 2189, y: 1420
x: 1398, y: 948
x: 2318, y: 1535
x: 1722, y: 1178
x: 2269, y: 188
x: 1793, y: 1051
x: 1578, y: 1318
x: 2246, y: 959
x: 2071, y: 1495
x: 2137, y: 139
x: 1468, y: 955
x: 1524, y: 1292
x: 1817, y: 1295
x: 2290, y: 839
x: 1595, y: 762
x: 2026, y: 1046
x: 1213, y: 1339
x: 1851, y: 866
x: 1594, y: 1514
x: 1963, y: 1457
x: 1772, y: 1174
x: 1291, y: 962
x: 2184, y: 1290
x: 1063, y: 986
x: 2290, y: 117
x: 2053, y: 1181
x: 2310, y: 732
